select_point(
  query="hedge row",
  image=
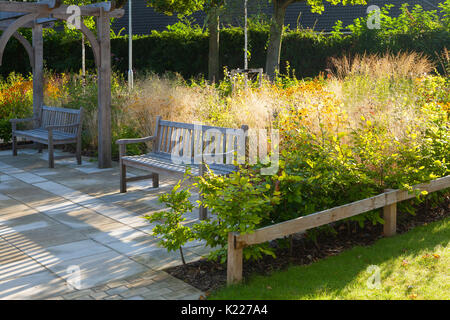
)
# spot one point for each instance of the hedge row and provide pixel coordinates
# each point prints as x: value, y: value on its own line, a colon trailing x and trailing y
x: 159, y: 52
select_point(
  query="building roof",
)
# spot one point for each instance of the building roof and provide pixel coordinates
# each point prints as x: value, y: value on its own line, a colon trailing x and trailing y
x: 298, y: 15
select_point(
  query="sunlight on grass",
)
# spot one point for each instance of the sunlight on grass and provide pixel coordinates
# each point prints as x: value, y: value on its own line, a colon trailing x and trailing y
x: 414, y: 265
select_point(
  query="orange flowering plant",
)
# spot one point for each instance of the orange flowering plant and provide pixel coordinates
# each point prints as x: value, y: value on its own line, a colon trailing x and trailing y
x: 16, y: 101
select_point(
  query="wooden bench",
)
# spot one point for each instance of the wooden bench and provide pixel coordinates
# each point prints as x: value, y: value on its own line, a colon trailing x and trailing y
x: 53, y: 126
x: 178, y: 146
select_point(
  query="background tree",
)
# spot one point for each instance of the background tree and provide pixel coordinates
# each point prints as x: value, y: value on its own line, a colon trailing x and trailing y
x: 277, y: 25
x: 187, y: 7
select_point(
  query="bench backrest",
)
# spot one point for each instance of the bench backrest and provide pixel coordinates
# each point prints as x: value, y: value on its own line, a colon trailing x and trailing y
x: 187, y: 141
x: 53, y: 116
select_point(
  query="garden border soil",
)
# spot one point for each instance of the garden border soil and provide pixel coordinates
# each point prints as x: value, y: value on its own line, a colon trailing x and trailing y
x: 209, y: 275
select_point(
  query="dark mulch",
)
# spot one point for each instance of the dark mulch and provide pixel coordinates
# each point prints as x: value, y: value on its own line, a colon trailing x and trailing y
x: 208, y: 275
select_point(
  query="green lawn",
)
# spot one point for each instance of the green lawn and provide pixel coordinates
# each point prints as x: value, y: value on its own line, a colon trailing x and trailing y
x: 414, y: 265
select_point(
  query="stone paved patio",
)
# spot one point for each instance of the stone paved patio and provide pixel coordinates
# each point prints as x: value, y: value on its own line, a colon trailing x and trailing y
x: 72, y: 220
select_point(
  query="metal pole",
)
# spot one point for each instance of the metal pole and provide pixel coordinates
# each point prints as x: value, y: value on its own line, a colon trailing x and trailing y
x: 245, y: 36
x: 130, y: 45
x: 246, y: 43
x: 83, y: 61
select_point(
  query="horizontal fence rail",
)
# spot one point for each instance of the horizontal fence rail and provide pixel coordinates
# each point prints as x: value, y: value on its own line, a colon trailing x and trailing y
x: 387, y: 200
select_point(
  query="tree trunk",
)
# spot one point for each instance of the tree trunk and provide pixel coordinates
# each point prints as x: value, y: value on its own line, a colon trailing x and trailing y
x: 276, y: 33
x: 182, y: 256
x: 213, y: 57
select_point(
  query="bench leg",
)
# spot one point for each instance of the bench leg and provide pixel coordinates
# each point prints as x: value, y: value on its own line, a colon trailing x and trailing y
x: 51, y: 158
x: 40, y: 147
x: 202, y: 211
x: 14, y: 146
x: 155, y: 180
x: 78, y: 153
x: 123, y: 178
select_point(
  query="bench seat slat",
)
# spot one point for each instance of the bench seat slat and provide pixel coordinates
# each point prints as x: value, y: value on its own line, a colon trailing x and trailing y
x: 164, y: 161
x: 43, y: 134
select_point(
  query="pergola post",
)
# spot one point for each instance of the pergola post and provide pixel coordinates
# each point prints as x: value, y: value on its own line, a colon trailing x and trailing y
x: 38, y: 69
x: 15, y: 15
x: 104, y: 91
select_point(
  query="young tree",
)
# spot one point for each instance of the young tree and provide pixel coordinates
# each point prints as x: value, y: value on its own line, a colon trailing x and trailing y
x: 277, y: 25
x: 187, y: 7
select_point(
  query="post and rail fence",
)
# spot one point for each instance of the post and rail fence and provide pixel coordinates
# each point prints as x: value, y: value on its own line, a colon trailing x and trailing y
x: 387, y: 200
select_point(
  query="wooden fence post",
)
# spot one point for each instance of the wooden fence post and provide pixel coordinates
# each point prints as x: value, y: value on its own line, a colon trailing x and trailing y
x: 390, y: 220
x: 234, y: 261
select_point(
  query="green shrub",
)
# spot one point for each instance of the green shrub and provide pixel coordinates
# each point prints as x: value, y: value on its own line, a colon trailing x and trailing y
x: 16, y: 101
x: 173, y: 234
x: 240, y: 202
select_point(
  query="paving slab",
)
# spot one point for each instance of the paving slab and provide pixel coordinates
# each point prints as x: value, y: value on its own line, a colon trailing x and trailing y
x: 160, y: 259
x: 28, y: 177
x: 44, y: 172
x: 56, y: 207
x: 5, y: 177
x: 201, y: 251
x: 14, y: 263
x: 123, y: 234
x: 24, y: 221
x: 51, y: 256
x: 4, y: 197
x: 134, y: 247
x: 6, y: 230
x: 36, y: 286
x: 82, y: 218
x: 12, y: 209
x: 59, y: 190
x: 92, y: 169
x: 112, y: 266
x: 19, y: 268
x: 56, y: 222
x: 51, y: 236
x: 12, y: 185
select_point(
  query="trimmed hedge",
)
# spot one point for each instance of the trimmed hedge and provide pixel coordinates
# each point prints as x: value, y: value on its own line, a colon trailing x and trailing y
x: 184, y: 49
x: 307, y: 55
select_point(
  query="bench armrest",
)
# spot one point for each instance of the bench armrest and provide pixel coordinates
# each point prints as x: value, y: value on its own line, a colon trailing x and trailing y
x: 22, y: 120
x: 14, y: 122
x: 137, y: 140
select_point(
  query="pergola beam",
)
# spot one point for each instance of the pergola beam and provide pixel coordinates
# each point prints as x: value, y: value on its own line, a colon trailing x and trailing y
x: 28, y: 47
x: 29, y: 7
x: 60, y: 9
x: 8, y: 33
x: 45, y: 22
x: 10, y: 15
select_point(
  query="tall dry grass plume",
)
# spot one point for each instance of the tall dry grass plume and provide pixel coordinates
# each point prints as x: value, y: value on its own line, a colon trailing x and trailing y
x: 381, y: 87
x: 376, y: 66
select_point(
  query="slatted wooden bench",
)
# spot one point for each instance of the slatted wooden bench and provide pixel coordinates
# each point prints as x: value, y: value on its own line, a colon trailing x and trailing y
x: 178, y: 146
x: 53, y: 126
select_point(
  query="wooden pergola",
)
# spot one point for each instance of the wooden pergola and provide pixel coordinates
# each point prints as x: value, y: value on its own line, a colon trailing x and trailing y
x: 42, y: 14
